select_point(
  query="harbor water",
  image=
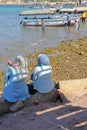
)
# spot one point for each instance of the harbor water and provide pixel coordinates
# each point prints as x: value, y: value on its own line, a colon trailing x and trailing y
x: 16, y: 39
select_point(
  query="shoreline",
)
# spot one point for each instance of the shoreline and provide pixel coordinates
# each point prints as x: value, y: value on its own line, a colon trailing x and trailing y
x: 24, y: 4
x: 69, y: 60
x: 66, y: 59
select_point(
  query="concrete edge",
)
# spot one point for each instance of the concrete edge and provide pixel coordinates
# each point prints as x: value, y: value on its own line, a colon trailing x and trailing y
x: 74, y: 84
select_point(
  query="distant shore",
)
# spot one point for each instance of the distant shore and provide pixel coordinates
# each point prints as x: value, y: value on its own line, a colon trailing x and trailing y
x: 10, y: 3
x: 44, y: 3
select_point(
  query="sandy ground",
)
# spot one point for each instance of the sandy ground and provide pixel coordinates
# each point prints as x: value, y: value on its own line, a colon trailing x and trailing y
x: 69, y: 115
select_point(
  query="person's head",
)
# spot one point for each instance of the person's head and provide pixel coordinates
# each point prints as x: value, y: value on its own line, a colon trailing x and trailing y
x: 43, y: 59
x: 75, y: 21
x: 10, y: 63
x: 21, y: 61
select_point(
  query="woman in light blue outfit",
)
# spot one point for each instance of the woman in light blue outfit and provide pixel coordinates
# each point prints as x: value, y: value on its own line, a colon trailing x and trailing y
x: 42, y: 87
x: 15, y: 89
x: 42, y: 75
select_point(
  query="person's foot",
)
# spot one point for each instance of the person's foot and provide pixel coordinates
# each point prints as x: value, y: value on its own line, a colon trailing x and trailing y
x: 16, y: 106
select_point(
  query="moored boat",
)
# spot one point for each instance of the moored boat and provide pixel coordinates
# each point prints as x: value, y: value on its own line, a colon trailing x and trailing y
x: 47, y: 17
x: 38, y: 14
x: 47, y: 22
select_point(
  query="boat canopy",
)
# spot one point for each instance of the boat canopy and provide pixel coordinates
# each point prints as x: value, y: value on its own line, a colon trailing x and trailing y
x: 37, y: 12
x: 79, y: 9
x: 67, y: 10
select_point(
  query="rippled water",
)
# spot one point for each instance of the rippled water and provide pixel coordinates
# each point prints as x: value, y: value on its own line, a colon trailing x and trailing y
x: 16, y: 39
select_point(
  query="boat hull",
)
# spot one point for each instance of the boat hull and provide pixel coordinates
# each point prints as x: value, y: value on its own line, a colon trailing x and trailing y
x: 47, y: 23
x: 55, y: 20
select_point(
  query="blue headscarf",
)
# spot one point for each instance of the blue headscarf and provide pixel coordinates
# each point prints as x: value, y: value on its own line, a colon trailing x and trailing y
x: 43, y: 59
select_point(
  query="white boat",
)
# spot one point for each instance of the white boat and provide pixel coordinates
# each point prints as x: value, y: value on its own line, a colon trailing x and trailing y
x: 47, y: 17
x: 38, y: 14
x: 46, y: 22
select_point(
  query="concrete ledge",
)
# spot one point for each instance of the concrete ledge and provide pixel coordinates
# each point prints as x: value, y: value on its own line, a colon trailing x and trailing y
x: 73, y: 88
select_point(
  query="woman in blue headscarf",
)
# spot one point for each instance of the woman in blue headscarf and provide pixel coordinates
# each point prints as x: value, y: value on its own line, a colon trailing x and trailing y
x: 42, y: 75
x: 15, y: 90
x: 42, y: 85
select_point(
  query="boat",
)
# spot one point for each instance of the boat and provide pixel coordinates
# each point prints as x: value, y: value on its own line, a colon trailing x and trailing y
x: 47, y: 22
x: 48, y: 17
x: 38, y: 14
x: 38, y: 6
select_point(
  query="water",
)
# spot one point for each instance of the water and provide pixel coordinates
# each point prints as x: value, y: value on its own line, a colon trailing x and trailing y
x: 16, y: 39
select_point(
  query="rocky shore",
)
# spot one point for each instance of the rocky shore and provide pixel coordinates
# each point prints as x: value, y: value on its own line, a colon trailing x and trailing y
x: 69, y: 60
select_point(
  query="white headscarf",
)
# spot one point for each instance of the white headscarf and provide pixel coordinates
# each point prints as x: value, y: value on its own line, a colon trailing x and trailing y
x: 21, y: 61
x: 19, y: 68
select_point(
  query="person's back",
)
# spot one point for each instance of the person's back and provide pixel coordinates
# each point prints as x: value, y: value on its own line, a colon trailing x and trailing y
x: 77, y: 25
x: 68, y: 17
x: 15, y: 90
x: 83, y: 16
x: 68, y: 20
x: 42, y: 75
x: 43, y: 88
x: 43, y: 82
x: 15, y: 87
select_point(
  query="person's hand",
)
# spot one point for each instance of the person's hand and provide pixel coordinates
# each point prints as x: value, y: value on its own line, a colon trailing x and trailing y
x: 59, y: 91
